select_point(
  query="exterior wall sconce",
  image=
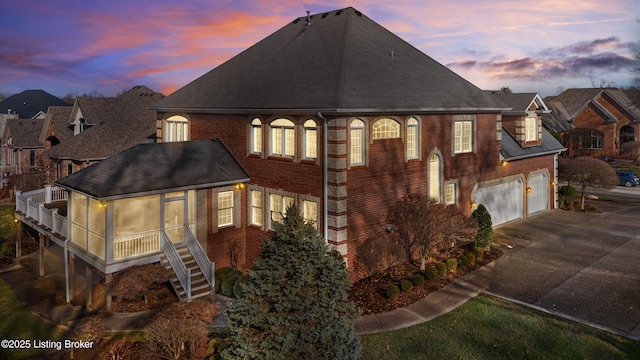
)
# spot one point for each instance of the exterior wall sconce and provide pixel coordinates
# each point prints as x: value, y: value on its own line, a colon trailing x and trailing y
x: 102, y: 204
x: 528, y: 189
x: 239, y: 186
x: 473, y: 205
x: 553, y: 183
x: 503, y: 163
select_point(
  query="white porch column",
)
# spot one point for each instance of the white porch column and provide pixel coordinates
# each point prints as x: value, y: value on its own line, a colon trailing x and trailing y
x: 47, y: 194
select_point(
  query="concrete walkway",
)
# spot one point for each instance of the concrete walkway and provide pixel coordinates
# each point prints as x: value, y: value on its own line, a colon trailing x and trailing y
x: 578, y: 266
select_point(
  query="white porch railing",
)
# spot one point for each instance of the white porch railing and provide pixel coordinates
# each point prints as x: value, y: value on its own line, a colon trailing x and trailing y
x: 200, y: 256
x: 137, y: 244
x: 183, y: 273
x: 32, y: 203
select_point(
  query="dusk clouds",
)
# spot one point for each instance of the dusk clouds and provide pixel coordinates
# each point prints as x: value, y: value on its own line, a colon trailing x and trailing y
x: 79, y: 46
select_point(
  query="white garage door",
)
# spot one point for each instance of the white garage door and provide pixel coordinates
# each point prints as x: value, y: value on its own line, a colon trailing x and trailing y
x: 538, y: 198
x: 503, y: 201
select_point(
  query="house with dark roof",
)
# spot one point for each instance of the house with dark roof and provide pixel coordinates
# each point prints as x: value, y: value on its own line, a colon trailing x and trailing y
x: 23, y: 150
x: 596, y: 122
x: 333, y: 113
x: 96, y: 128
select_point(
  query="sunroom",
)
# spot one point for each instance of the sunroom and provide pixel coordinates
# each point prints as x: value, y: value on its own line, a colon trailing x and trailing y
x: 141, y: 205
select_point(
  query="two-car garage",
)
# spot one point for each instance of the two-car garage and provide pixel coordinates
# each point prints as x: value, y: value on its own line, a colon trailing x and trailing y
x: 505, y: 198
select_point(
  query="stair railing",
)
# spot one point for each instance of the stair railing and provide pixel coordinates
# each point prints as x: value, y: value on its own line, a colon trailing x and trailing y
x: 200, y: 256
x: 182, y: 272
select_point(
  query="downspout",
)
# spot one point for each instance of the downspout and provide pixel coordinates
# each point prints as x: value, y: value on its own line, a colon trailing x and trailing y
x: 66, y: 251
x: 325, y: 179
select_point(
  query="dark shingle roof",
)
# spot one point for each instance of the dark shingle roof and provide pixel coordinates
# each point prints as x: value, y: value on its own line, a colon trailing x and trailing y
x: 342, y: 63
x: 115, y: 124
x: 157, y: 168
x: 25, y: 133
x: 58, y: 117
x: 29, y: 103
x: 516, y: 101
x: 511, y: 149
x: 558, y: 119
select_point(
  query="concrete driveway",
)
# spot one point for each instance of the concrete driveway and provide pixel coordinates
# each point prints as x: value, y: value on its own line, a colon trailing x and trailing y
x: 584, y: 267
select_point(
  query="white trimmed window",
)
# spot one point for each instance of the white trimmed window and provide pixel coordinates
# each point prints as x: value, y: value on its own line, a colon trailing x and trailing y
x: 531, y: 128
x: 176, y: 129
x: 278, y: 205
x: 412, y: 138
x: 256, y: 136
x: 386, y: 128
x: 462, y: 137
x: 256, y: 207
x: 310, y: 140
x: 225, y: 208
x: 356, y: 142
x: 450, y: 196
x: 310, y: 212
x: 283, y: 139
x: 434, y: 177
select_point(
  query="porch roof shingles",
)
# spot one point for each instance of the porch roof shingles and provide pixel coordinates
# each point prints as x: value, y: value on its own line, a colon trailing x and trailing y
x: 342, y: 63
x: 156, y: 168
x: 511, y: 149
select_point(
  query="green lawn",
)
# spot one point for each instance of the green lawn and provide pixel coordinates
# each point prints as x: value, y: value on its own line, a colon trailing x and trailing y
x: 491, y: 328
x: 16, y: 322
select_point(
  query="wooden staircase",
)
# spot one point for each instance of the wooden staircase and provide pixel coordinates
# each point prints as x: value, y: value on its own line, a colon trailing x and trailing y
x: 199, y: 285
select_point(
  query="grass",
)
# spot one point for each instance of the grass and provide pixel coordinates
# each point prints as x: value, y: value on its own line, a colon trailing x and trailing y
x: 16, y: 322
x: 491, y: 328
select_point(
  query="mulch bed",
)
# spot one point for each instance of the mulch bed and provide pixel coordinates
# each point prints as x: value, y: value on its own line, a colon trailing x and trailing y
x: 369, y: 294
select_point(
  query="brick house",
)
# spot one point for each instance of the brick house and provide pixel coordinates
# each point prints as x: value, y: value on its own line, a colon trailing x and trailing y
x: 332, y: 112
x: 22, y: 147
x: 596, y: 122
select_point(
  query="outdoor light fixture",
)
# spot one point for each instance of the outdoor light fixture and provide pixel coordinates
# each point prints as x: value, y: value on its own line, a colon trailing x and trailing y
x: 528, y: 189
x: 503, y: 162
x: 473, y: 205
x: 239, y: 186
x: 102, y: 204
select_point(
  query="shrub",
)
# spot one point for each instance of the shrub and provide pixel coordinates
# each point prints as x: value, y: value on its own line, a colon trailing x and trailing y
x: 478, y: 252
x: 238, y: 287
x: 431, y: 273
x: 220, y: 275
x: 567, y: 190
x: 406, y: 285
x: 485, y: 226
x: 228, y: 282
x: 452, y: 264
x: 442, y: 268
x: 417, y: 280
x: 393, y: 291
x: 463, y: 260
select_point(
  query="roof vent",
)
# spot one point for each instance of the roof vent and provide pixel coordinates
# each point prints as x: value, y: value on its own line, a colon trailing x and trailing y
x: 358, y: 13
x: 308, y: 19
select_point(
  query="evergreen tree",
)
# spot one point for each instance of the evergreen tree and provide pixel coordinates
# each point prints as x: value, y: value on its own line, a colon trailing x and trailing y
x: 485, y: 226
x: 295, y: 303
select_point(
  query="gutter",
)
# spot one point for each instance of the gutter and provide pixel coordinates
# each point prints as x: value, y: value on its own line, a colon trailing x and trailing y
x: 332, y: 111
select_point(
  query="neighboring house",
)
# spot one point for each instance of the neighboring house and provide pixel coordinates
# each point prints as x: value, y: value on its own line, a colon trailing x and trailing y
x: 596, y: 122
x: 333, y: 113
x: 23, y: 150
x: 29, y: 104
x: 99, y: 127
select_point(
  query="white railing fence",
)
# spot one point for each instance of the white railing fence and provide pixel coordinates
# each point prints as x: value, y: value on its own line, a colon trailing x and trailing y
x: 137, y: 244
x: 31, y: 203
x: 183, y: 273
x: 200, y: 256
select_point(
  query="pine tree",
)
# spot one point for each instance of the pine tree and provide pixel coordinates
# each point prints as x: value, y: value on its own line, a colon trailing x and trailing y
x: 295, y: 303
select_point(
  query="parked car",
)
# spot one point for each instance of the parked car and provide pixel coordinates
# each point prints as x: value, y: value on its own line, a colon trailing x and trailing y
x: 628, y: 178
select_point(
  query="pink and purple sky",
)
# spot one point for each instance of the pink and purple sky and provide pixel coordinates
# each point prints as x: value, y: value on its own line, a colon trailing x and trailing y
x: 71, y: 46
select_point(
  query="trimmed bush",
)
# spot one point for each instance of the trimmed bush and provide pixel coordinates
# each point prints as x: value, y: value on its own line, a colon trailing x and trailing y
x: 485, y: 226
x: 452, y: 264
x: 220, y: 274
x: 228, y: 283
x: 567, y: 190
x: 238, y: 286
x: 478, y: 252
x: 417, y: 280
x: 406, y: 285
x: 442, y: 268
x: 431, y: 273
x: 393, y: 291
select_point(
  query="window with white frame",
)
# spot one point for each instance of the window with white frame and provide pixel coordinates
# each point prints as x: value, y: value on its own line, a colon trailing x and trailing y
x: 386, y: 128
x: 256, y: 136
x: 434, y: 177
x: 256, y: 207
x: 412, y: 138
x: 176, y: 128
x: 356, y: 142
x: 462, y: 136
x: 310, y: 212
x: 225, y: 208
x: 278, y: 205
x: 531, y: 128
x: 283, y: 139
x: 450, y: 196
x: 310, y: 140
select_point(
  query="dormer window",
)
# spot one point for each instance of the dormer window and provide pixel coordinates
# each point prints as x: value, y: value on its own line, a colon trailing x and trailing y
x: 531, y: 128
x: 176, y: 128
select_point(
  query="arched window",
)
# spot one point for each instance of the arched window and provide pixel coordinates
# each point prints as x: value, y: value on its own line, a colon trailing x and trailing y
x: 176, y: 129
x: 356, y: 142
x: 283, y: 140
x: 412, y: 138
x: 310, y: 140
x: 434, y: 177
x: 256, y: 136
x: 386, y: 128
